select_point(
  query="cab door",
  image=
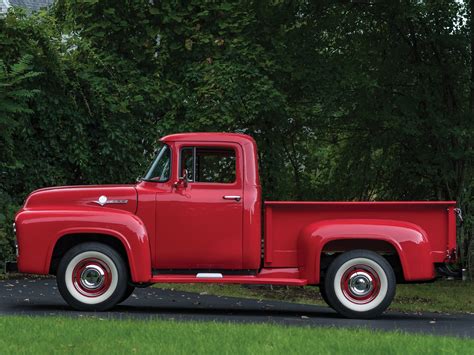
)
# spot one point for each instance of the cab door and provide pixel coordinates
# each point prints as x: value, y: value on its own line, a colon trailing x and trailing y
x: 199, y: 224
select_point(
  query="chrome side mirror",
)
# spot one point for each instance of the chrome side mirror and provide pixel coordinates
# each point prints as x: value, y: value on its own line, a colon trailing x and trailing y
x: 182, y: 180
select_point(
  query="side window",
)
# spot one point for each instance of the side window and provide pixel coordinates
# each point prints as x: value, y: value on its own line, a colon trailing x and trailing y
x: 209, y: 164
x: 215, y: 165
x: 187, y: 163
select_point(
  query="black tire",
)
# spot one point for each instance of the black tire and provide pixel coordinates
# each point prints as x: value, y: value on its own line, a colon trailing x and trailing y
x: 128, y: 293
x: 322, y: 291
x: 360, y: 284
x: 92, y: 277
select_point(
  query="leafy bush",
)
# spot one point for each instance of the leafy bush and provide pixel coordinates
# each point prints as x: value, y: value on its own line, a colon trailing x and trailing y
x: 353, y: 101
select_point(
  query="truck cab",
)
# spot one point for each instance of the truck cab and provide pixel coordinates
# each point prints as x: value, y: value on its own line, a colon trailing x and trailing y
x: 207, y: 194
x: 197, y: 216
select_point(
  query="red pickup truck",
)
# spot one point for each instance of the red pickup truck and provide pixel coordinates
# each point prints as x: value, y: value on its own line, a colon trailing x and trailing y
x: 196, y: 216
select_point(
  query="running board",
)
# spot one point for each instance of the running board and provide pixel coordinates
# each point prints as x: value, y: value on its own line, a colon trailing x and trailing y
x: 227, y: 279
x: 209, y: 275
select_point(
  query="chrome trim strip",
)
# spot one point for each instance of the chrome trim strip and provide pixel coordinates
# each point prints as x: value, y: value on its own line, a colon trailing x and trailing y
x: 209, y: 275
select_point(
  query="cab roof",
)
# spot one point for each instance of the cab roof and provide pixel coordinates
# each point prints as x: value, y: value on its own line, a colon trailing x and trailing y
x: 208, y: 137
x: 247, y: 143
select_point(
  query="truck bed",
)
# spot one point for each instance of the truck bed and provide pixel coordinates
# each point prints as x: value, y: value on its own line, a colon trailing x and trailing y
x: 284, y: 220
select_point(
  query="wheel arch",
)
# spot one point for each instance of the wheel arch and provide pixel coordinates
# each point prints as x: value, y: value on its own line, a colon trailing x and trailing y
x: 68, y: 241
x: 136, y: 255
x: 387, y: 249
x: 408, y: 240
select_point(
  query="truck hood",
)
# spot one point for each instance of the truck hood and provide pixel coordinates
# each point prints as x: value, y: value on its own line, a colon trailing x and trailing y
x: 122, y: 197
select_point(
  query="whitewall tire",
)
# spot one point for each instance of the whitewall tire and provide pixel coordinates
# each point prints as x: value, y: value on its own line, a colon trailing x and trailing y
x: 360, y: 284
x: 92, y: 277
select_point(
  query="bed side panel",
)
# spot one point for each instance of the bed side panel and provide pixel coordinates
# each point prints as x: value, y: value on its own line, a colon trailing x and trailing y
x: 285, y: 220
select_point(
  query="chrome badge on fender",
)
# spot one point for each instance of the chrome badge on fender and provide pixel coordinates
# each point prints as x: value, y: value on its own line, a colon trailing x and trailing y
x: 104, y: 201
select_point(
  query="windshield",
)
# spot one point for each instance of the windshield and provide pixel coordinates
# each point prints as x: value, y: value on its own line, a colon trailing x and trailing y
x: 161, y: 167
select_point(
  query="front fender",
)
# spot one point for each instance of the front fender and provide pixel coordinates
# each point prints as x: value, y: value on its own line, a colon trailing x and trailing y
x: 408, y: 239
x: 38, y: 231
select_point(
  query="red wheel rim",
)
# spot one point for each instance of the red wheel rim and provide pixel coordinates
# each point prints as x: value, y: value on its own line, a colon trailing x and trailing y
x: 91, y: 277
x: 360, y: 284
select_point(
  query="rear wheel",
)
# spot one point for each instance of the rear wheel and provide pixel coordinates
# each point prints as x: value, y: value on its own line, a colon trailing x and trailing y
x: 360, y: 284
x: 92, y: 277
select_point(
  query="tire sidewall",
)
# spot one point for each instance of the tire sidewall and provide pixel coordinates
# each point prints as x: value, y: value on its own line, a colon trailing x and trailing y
x: 344, y: 306
x: 128, y: 292
x: 119, y: 276
x: 324, y: 296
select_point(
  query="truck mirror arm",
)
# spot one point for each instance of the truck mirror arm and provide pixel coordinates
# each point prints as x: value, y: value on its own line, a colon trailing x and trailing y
x: 182, y: 180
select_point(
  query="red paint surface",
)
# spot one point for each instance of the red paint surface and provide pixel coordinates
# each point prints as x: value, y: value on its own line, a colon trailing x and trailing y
x: 167, y: 227
x: 197, y: 216
x: 298, y: 231
x: 230, y: 280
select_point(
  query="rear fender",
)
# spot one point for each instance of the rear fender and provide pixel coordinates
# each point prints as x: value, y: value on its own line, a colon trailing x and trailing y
x: 38, y: 232
x: 408, y: 239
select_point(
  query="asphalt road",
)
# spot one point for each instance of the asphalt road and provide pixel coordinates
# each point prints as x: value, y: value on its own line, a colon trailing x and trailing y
x: 40, y: 297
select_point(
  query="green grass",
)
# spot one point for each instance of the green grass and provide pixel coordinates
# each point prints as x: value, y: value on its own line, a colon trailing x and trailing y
x: 439, y: 296
x: 90, y: 336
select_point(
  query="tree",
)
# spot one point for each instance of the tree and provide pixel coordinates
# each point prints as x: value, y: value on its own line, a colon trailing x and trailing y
x: 347, y: 100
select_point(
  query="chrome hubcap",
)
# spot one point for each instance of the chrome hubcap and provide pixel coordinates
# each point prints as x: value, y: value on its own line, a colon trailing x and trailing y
x: 92, y: 277
x: 360, y: 284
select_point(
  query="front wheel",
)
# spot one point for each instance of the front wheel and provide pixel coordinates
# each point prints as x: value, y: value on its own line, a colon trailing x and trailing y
x: 360, y: 284
x: 92, y: 277
x: 324, y: 296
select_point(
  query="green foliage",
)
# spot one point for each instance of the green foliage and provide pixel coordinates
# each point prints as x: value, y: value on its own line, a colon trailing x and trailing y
x: 351, y: 101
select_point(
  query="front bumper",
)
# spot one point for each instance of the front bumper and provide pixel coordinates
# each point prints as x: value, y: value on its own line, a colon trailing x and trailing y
x: 16, y: 241
x: 8, y: 266
x: 11, y: 266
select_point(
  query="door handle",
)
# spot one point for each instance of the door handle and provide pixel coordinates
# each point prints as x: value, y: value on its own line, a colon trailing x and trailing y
x: 231, y: 197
